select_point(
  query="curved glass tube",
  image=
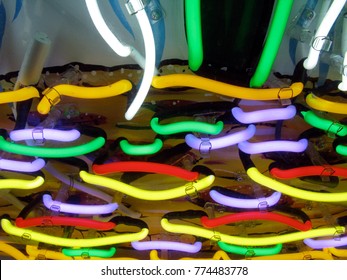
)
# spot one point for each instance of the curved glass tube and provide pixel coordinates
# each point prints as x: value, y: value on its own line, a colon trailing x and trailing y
x: 21, y: 184
x: 19, y: 95
x: 326, y: 243
x: 142, y: 149
x: 41, y: 134
x: 22, y: 166
x: 250, y: 251
x: 341, y: 253
x: 313, y: 170
x: 89, y: 252
x: 273, y: 146
x: 166, y: 245
x: 321, y: 104
x: 12, y: 251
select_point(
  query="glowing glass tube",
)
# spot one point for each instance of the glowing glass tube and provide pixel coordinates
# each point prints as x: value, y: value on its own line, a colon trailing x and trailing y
x: 22, y: 166
x: 140, y: 150
x: 273, y: 146
x: 313, y: 170
x: 89, y: 252
x: 19, y: 95
x: 42, y: 134
x: 167, y: 245
x: 21, y: 184
x: 326, y: 243
x: 321, y: 104
x: 12, y: 251
x: 250, y: 251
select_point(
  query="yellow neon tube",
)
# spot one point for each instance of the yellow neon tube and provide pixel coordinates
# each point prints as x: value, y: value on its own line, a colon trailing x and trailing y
x: 206, y: 84
x: 19, y: 95
x: 321, y: 104
x: 307, y: 255
x: 70, y: 242
x: 219, y: 255
x: 21, y: 184
x: 341, y: 253
x: 249, y: 241
x: 51, y: 96
x: 147, y: 194
x: 261, y: 179
x: 12, y: 251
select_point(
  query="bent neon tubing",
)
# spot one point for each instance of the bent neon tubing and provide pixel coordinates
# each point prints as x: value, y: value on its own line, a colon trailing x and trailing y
x: 166, y: 245
x: 273, y: 146
x: 19, y: 95
x: 22, y: 166
x: 143, y: 166
x: 31, y: 235
x: 220, y: 142
x: 322, y: 33
x: 52, y: 96
x: 321, y: 104
x: 266, y: 115
x: 250, y: 251
x: 272, y: 42
x: 63, y: 221
x: 312, y: 170
x: 89, y: 252
x: 42, y: 134
x: 12, y: 251
x: 52, y: 152
x: 244, y: 203
x: 147, y: 194
x: 21, y: 184
x: 194, y: 81
x: 142, y: 149
x: 58, y: 206
x: 326, y: 243
x: 307, y: 255
x: 341, y: 253
x: 186, y: 126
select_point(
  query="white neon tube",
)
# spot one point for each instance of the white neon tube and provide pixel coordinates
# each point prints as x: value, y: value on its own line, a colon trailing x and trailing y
x: 273, y: 146
x: 41, y: 134
x: 322, y: 33
x: 263, y: 115
x: 343, y: 85
x: 202, y: 144
x: 166, y: 245
x: 22, y: 166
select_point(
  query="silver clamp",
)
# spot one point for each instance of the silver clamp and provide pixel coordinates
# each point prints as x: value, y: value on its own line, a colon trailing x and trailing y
x: 133, y: 6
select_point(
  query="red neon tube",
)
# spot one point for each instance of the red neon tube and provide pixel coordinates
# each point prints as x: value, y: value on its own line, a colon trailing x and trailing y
x: 143, y: 166
x: 255, y: 215
x: 313, y: 170
x: 63, y: 221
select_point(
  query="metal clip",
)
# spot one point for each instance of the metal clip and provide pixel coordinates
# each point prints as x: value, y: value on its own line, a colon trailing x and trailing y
x: 191, y: 191
x: 249, y: 253
x: 52, y: 92
x: 321, y: 43
x: 85, y: 255
x: 215, y: 238
x: 327, y: 171
x: 133, y: 6
x: 26, y: 236
x: 47, y: 222
x: 37, y: 135
x: 285, y: 101
x: 55, y: 208
x: 263, y: 205
x: 334, y: 129
x: 205, y: 147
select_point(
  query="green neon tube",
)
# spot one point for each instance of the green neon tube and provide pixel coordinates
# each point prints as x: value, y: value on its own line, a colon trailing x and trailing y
x: 327, y: 125
x: 250, y: 251
x: 31, y: 235
x: 186, y: 126
x: 147, y: 194
x: 48, y: 152
x: 194, y: 34
x: 21, y: 184
x: 140, y: 150
x: 341, y: 149
x: 89, y: 252
x: 272, y: 43
x: 249, y: 241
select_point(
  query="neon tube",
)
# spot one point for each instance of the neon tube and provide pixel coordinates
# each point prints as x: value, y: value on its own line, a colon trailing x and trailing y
x: 322, y: 33
x: 250, y: 251
x: 167, y: 245
x: 52, y: 152
x: 143, y: 166
x: 340, y: 149
x: 248, y: 241
x: 273, y: 114
x: 220, y: 142
x: 326, y: 243
x: 31, y: 235
x: 313, y: 170
x: 19, y: 95
x: 194, y: 34
x: 343, y: 85
x: 63, y: 221
x: 321, y: 104
x: 21, y: 166
x: 194, y: 81
x: 52, y: 96
x: 341, y: 253
x: 307, y: 255
x: 89, y: 252
x: 42, y: 134
x: 147, y: 194
x: 273, y: 146
x: 21, y: 184
x: 256, y: 215
x: 140, y: 150
x: 12, y: 251
x: 272, y: 42
x: 244, y: 203
x: 186, y: 126
x: 58, y: 206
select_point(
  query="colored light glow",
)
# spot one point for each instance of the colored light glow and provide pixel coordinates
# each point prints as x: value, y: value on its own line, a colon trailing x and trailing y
x: 248, y: 241
x: 19, y: 95
x: 71, y: 242
x: 194, y: 81
x: 255, y: 215
x: 167, y: 245
x: 140, y: 150
x: 341, y: 149
x: 21, y: 184
x: 313, y: 170
x: 272, y: 42
x: 307, y: 255
x: 273, y: 146
x: 22, y: 166
x: 147, y: 194
x: 143, y: 166
x: 326, y: 243
x: 250, y: 251
x: 63, y: 221
x: 266, y: 115
x: 194, y: 33
x: 321, y: 104
x: 52, y: 152
x: 12, y: 251
x: 42, y: 134
x: 244, y: 203
x: 89, y: 252
x: 341, y: 253
x: 322, y: 33
x: 52, y: 96
x: 58, y: 206
x: 220, y: 142
x: 186, y: 126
